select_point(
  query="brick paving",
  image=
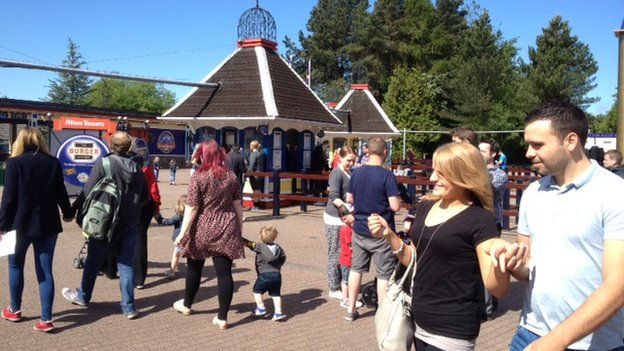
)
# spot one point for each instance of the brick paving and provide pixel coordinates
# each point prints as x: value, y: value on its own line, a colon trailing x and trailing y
x: 314, y: 321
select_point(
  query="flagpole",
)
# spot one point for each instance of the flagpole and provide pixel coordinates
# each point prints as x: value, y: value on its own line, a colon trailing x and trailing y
x: 309, y: 76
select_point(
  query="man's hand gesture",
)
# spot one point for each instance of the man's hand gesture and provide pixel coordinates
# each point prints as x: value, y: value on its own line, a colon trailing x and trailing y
x: 508, y: 257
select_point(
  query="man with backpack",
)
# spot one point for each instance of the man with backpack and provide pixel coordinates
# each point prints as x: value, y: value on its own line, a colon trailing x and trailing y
x: 115, y: 194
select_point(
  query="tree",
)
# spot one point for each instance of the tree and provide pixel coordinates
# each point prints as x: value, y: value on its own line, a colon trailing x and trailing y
x: 561, y: 67
x: 413, y: 102
x: 294, y: 56
x: 606, y: 123
x: 70, y: 88
x: 483, y: 82
x: 447, y: 32
x: 332, y: 26
x: 130, y: 96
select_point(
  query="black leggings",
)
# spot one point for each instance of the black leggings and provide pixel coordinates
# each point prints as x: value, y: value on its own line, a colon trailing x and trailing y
x: 225, y: 283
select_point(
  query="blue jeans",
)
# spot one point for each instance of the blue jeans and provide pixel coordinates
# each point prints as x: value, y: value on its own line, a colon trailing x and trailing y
x: 44, y: 253
x: 123, y: 244
x: 524, y: 337
x: 172, y: 176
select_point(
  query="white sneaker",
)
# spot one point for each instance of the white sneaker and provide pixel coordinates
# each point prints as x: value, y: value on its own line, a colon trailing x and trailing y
x: 179, y: 306
x: 336, y: 294
x: 345, y: 304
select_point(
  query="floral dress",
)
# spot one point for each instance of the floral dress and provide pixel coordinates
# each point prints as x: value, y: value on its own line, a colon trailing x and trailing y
x: 215, y: 231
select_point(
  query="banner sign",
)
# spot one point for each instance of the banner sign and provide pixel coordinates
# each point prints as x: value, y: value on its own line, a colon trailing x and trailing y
x: 78, y: 155
x: 82, y: 123
x: 168, y: 142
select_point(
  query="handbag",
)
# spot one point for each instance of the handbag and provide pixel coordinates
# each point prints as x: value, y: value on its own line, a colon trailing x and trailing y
x: 393, y: 322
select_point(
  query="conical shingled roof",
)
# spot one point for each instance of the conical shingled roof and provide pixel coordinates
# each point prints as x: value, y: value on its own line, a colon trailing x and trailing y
x: 366, y: 115
x: 257, y: 85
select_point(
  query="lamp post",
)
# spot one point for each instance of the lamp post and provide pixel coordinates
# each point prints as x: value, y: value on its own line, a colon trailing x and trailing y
x: 146, y: 126
x: 187, y: 143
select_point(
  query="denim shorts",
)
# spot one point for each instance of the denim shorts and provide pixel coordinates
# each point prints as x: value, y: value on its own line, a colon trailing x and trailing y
x: 344, y: 271
x: 269, y: 281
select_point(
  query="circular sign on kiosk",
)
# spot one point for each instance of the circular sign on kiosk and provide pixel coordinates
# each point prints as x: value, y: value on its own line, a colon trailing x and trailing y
x: 78, y: 155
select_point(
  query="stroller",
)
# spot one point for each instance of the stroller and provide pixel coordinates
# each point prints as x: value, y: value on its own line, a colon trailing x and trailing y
x: 79, y: 261
x: 108, y: 268
x: 369, y: 294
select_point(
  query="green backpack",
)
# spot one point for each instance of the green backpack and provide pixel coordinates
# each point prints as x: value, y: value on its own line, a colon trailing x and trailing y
x: 101, y: 207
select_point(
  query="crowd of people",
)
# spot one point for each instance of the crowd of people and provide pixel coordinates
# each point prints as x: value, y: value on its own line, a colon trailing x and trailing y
x: 569, y: 247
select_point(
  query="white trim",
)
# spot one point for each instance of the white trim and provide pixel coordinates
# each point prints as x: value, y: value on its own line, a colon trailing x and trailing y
x: 381, y: 111
x: 312, y: 91
x: 353, y: 134
x: 206, y: 78
x: 266, y: 82
x: 344, y: 99
x: 232, y: 118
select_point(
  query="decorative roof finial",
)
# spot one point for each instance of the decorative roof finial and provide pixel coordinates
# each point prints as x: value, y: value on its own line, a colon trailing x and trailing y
x: 257, y: 23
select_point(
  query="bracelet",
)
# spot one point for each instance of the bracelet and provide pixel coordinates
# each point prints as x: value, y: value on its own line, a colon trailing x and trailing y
x: 400, y: 249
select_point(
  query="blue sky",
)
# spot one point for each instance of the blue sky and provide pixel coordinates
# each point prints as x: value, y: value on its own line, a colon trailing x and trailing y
x: 186, y: 39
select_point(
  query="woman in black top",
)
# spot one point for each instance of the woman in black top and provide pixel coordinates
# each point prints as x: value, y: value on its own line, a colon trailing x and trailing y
x: 453, y: 232
x: 33, y: 192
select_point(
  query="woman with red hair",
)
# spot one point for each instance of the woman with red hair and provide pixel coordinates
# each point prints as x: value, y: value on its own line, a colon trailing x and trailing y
x: 211, y: 228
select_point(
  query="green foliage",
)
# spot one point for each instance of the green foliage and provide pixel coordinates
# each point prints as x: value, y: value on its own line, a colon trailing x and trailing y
x: 484, y: 79
x: 130, y: 96
x: 70, y: 88
x: 437, y: 64
x: 606, y: 123
x: 414, y: 100
x: 332, y: 91
x: 294, y: 56
x: 561, y: 66
x: 333, y: 25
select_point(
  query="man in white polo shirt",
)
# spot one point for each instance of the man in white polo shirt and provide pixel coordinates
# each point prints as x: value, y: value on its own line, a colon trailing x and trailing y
x: 572, y: 222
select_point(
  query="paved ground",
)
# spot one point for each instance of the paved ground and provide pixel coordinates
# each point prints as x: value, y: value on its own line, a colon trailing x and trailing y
x: 314, y: 322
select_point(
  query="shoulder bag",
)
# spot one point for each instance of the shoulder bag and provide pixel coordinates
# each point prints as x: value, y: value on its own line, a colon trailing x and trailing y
x: 393, y: 322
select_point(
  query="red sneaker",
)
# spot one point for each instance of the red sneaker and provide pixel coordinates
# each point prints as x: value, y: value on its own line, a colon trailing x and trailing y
x: 44, y: 326
x: 10, y: 315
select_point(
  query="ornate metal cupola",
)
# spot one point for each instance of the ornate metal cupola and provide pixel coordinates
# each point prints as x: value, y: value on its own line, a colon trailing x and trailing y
x: 257, y: 26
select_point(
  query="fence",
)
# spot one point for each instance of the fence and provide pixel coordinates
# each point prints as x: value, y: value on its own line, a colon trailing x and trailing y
x: 416, y: 185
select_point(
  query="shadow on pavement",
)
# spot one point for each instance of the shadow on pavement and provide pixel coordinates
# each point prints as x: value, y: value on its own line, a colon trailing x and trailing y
x: 293, y: 305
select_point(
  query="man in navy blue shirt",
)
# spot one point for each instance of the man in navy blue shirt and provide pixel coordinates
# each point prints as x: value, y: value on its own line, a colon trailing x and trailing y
x: 372, y: 189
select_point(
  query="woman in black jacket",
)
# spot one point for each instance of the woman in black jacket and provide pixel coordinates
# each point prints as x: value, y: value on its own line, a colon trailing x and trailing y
x: 33, y: 191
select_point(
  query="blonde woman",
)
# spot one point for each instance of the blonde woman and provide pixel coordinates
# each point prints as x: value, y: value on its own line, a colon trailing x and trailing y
x: 33, y: 192
x: 453, y: 231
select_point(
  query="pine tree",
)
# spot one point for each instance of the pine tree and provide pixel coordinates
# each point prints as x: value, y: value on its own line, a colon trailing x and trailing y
x: 561, y: 66
x: 332, y: 28
x: 483, y: 80
x: 70, y: 88
x: 447, y: 33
